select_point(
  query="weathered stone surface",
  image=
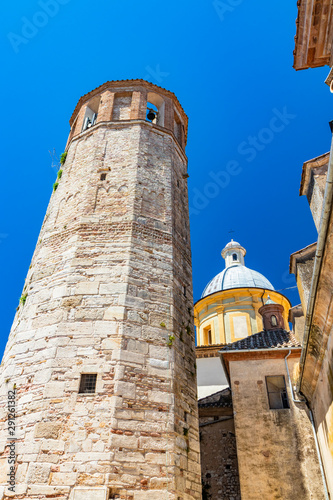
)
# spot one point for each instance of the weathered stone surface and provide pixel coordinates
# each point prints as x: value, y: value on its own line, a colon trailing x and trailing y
x: 48, y: 430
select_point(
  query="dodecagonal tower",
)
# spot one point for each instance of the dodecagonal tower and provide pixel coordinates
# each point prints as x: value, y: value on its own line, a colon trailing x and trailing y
x: 102, y: 347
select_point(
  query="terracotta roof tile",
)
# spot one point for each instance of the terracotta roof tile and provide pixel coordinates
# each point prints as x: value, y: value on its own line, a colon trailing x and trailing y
x: 220, y: 399
x: 271, y: 339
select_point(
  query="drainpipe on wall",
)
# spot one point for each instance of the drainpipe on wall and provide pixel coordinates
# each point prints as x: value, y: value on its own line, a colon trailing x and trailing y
x: 312, y: 424
x: 322, y: 236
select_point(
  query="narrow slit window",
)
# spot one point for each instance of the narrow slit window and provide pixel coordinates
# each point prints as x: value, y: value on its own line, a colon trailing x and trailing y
x: 234, y: 256
x: 277, y: 392
x: 88, y: 383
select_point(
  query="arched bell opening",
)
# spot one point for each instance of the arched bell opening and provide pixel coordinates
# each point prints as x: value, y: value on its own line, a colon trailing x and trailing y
x: 91, y: 113
x: 155, y: 109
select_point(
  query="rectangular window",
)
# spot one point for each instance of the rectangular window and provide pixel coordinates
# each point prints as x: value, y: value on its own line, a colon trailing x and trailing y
x: 277, y: 392
x: 88, y: 383
x: 207, y: 334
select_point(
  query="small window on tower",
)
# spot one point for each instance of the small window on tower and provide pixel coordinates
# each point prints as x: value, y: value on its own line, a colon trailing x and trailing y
x: 234, y: 256
x: 274, y: 321
x: 88, y: 383
x: 277, y: 392
x: 103, y: 177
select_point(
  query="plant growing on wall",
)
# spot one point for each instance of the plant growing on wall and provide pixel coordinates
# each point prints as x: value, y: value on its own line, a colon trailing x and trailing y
x: 170, y: 340
x: 63, y: 157
x: 23, y: 298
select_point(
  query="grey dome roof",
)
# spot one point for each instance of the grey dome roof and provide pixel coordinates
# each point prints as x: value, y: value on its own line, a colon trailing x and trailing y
x: 237, y: 276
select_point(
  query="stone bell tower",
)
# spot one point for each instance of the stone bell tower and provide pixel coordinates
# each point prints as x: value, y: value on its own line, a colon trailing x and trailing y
x: 101, y: 353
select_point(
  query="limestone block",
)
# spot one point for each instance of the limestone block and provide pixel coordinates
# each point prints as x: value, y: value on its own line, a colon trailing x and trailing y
x: 87, y: 445
x: 158, y: 363
x: 112, y: 288
x: 130, y: 456
x: 128, y: 480
x: 159, y: 352
x: 101, y: 328
x: 101, y: 493
x: 155, y: 458
x: 153, y: 443
x: 110, y: 344
x: 86, y: 314
x: 54, y: 389
x: 49, y: 491
x: 124, y: 389
x: 160, y: 397
x: 151, y: 333
x: 20, y: 489
x: 47, y: 430
x: 28, y: 447
x: 93, y: 456
x: 128, y: 357
x: 98, y: 446
x: 59, y: 291
x: 25, y: 398
x: 114, y: 312
x: 155, y: 319
x: 137, y: 346
x: 87, y: 288
x: 158, y: 483
x: 38, y: 473
x: 122, y: 441
x: 47, y: 319
x: 63, y: 478
x: 153, y: 495
x: 52, y: 445
x: 4, y: 468
x: 3, y: 441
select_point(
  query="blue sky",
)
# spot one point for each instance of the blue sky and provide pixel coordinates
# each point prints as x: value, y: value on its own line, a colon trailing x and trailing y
x: 253, y: 120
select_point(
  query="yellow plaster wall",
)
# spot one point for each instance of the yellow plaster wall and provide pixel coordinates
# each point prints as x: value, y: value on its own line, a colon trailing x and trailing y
x: 212, y: 310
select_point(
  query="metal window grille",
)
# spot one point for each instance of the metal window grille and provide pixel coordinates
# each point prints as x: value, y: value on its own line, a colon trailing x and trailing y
x: 277, y: 392
x: 88, y: 383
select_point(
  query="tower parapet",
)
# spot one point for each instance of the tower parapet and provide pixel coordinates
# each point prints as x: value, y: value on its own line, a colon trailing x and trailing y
x: 101, y: 351
x: 121, y: 101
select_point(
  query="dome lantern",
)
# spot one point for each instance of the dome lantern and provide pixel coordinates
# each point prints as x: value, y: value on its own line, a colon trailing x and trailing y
x: 233, y: 254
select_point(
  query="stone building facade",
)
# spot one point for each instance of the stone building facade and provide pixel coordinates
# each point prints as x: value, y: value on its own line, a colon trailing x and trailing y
x: 313, y: 266
x: 276, y: 451
x: 101, y: 354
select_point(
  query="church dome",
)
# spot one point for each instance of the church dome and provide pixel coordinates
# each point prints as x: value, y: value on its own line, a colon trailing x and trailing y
x: 236, y: 274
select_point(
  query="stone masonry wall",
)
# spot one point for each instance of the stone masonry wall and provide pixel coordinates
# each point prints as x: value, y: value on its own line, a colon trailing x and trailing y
x: 109, y: 287
x: 220, y: 478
